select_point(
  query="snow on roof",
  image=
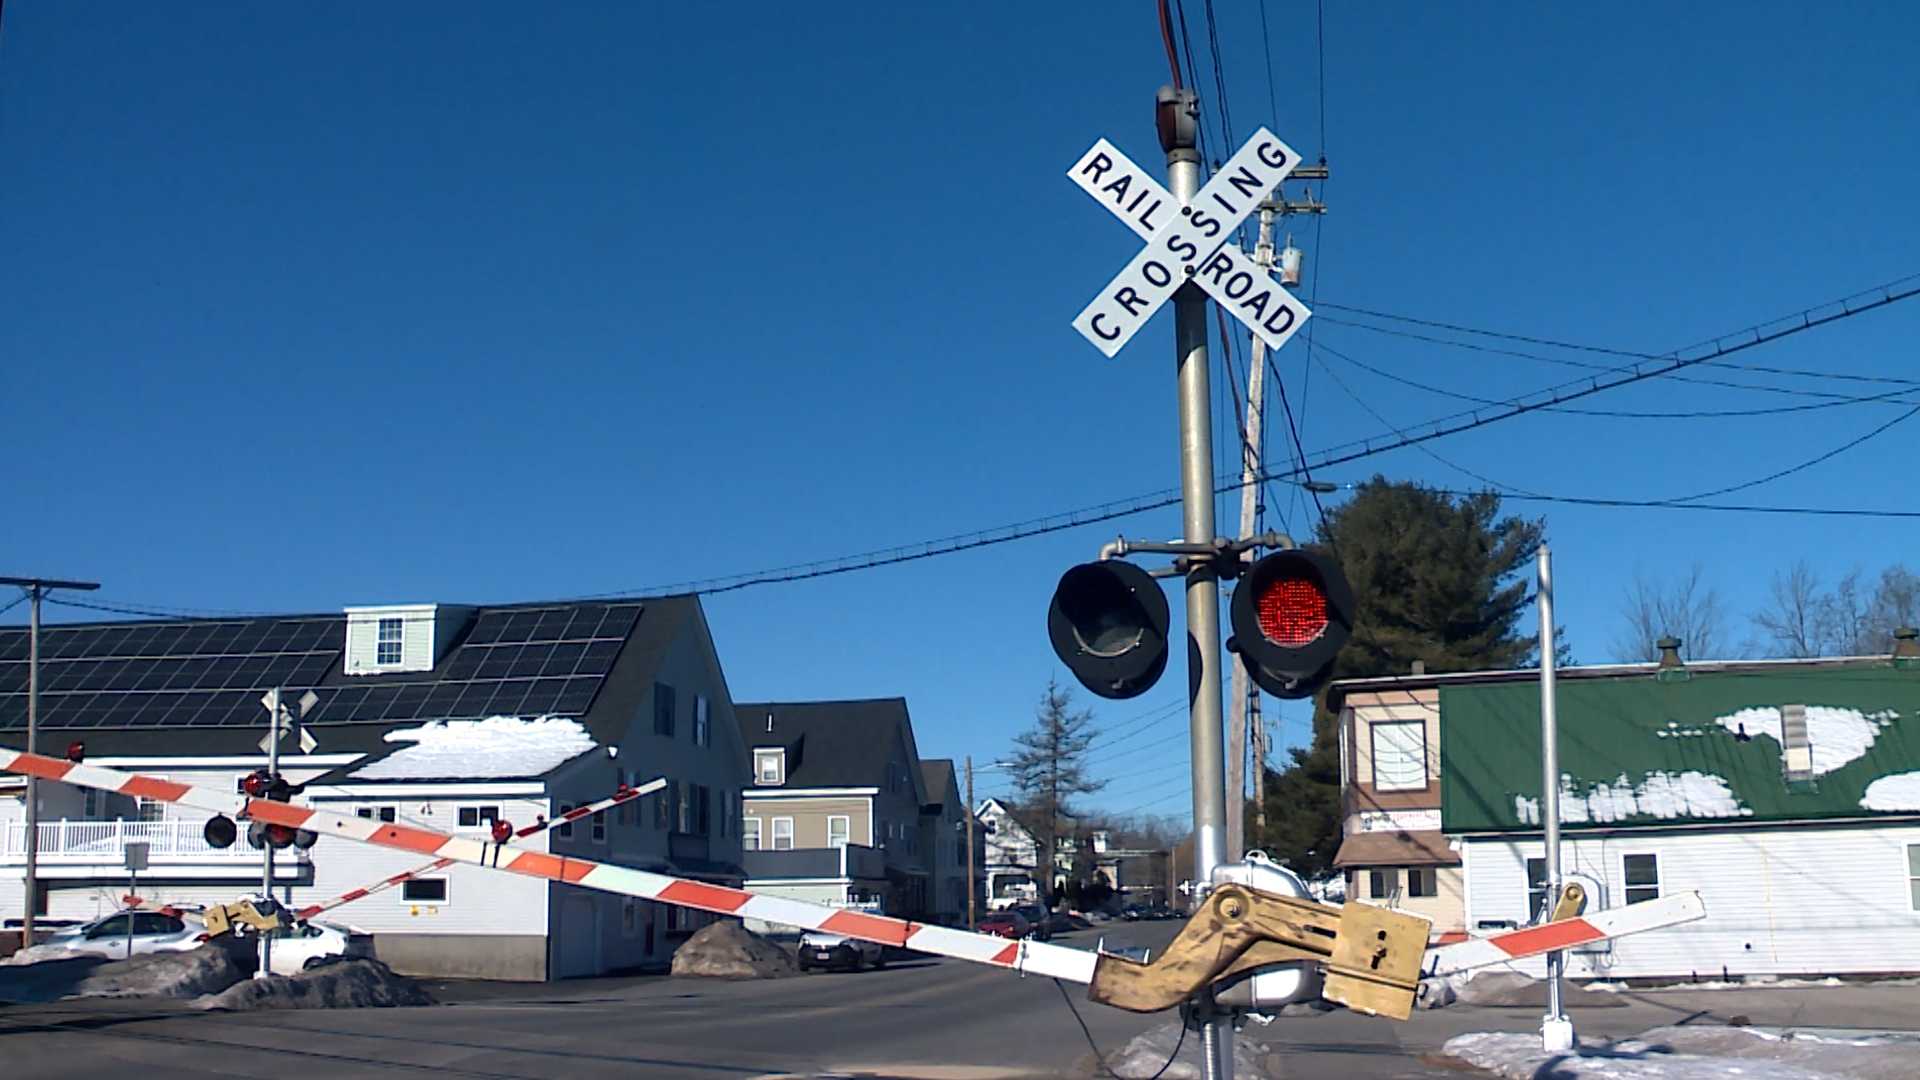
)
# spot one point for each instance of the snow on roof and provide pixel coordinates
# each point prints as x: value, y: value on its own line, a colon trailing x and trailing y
x: 1659, y: 795
x: 499, y: 747
x: 1901, y: 791
x: 1838, y: 735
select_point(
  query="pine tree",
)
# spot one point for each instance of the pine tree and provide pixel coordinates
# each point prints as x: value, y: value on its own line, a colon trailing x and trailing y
x: 1436, y: 579
x: 1049, y: 769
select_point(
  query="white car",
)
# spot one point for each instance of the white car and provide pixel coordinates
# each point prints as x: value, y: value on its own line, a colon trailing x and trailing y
x: 304, y: 945
x: 823, y: 950
x: 152, y: 932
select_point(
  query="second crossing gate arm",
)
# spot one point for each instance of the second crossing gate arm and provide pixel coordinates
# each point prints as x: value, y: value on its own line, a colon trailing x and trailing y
x: 1029, y: 957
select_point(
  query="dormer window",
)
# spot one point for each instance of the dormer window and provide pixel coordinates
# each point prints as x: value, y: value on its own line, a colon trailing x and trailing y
x: 387, y: 651
x: 770, y: 766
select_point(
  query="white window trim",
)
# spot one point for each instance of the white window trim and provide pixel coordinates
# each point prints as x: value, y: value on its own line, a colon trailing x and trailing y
x: 446, y: 881
x: 1658, y: 887
x: 1373, y: 734
x: 775, y: 845
x: 846, y: 829
x: 750, y: 823
x: 398, y: 640
x: 702, y: 721
x: 1912, y: 852
x: 779, y: 759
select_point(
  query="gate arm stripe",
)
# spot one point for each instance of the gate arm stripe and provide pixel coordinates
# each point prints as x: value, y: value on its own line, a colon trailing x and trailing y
x: 1567, y: 933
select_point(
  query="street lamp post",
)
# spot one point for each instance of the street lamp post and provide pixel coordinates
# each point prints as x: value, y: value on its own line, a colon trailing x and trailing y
x: 973, y: 889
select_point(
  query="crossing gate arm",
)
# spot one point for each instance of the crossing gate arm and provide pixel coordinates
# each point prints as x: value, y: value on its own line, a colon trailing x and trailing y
x: 1571, y: 933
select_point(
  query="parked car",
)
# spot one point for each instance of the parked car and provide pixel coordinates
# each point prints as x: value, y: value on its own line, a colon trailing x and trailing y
x: 307, y: 945
x: 1040, y: 921
x: 152, y: 932
x: 1007, y: 924
x: 823, y: 950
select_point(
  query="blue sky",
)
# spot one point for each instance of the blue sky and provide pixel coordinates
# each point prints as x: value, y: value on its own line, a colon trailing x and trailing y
x: 308, y: 307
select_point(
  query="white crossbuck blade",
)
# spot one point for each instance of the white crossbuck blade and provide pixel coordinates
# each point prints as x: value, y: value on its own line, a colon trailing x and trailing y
x: 1182, y: 243
x: 1038, y: 958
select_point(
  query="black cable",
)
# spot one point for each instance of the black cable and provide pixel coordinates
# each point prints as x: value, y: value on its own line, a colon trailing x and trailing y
x: 17, y: 601
x: 1662, y: 504
x: 1100, y: 1059
x: 157, y: 612
x: 1422, y: 447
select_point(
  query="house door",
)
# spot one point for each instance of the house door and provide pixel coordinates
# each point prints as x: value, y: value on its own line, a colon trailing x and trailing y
x: 578, y: 950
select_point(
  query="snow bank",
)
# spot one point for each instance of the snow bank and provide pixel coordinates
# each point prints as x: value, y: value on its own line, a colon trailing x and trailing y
x: 1901, y: 791
x: 347, y: 984
x: 1149, y: 1051
x: 728, y: 950
x: 1838, y: 735
x: 499, y: 747
x: 1659, y: 794
x: 206, y: 970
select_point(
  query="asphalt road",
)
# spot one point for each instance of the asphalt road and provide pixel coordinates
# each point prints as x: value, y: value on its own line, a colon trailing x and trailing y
x: 917, y: 1018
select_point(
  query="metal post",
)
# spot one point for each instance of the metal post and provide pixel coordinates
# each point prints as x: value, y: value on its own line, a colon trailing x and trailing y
x: 1177, y: 113
x: 133, y: 889
x: 266, y: 849
x: 33, y: 786
x: 973, y: 914
x: 1556, y: 1030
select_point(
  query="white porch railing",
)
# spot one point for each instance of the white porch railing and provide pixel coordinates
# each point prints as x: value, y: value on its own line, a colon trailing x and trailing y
x: 104, y: 843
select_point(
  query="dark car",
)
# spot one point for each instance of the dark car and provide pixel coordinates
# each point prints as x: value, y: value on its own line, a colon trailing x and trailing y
x: 1006, y: 924
x: 1040, y: 922
x: 819, y: 949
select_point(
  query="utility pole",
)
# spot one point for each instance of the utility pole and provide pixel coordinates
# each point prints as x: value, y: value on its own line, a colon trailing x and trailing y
x: 1556, y: 1030
x: 1177, y: 116
x: 266, y: 848
x: 1245, y: 703
x: 36, y: 589
x: 973, y: 911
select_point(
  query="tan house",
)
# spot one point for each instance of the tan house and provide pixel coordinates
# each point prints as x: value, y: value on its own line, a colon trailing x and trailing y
x: 1391, y: 847
x: 834, y: 812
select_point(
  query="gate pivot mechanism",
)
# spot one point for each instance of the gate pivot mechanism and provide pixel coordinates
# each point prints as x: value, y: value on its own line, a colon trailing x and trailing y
x: 1372, y: 955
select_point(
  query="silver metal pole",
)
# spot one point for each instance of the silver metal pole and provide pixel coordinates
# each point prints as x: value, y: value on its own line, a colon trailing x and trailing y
x: 266, y: 849
x: 1556, y: 1031
x: 973, y: 914
x: 1177, y: 133
x: 33, y: 785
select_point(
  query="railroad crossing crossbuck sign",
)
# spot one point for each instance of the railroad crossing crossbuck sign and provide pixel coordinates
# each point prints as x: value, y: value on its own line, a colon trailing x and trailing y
x: 1188, y: 242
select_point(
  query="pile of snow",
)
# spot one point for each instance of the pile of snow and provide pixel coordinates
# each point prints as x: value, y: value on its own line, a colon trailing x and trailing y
x: 1148, y: 1053
x: 1659, y: 794
x: 1501, y: 989
x: 1696, y: 1053
x: 1838, y: 735
x: 1901, y: 791
x: 499, y: 747
x: 728, y: 950
x: 34, y: 954
x: 206, y: 970
x: 347, y: 984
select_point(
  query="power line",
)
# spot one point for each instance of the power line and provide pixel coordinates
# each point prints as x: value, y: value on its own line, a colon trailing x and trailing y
x: 17, y: 601
x: 1667, y: 504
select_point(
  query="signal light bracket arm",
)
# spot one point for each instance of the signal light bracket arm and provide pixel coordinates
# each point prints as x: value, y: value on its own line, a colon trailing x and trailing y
x: 1221, y: 548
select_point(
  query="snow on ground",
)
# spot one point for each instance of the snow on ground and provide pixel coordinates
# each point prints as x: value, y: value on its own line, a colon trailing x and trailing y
x: 1152, y: 1054
x: 1699, y: 1052
x: 208, y: 969
x: 1838, y: 735
x: 499, y: 747
x: 1659, y: 794
x: 345, y: 984
x: 1901, y: 791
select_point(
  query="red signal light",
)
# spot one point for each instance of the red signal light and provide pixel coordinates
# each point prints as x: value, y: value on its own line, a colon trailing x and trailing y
x: 502, y: 830
x: 1292, y: 611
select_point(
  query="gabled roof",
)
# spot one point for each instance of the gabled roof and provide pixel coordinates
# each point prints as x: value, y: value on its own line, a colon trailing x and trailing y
x: 1708, y: 748
x: 181, y: 687
x: 936, y: 775
x: 832, y: 744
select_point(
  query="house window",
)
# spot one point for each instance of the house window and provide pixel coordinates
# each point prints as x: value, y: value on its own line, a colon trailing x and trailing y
x: 750, y: 834
x: 1423, y: 881
x: 663, y: 708
x: 1383, y: 883
x: 1400, y: 755
x: 666, y: 806
x: 424, y: 891
x: 770, y: 766
x: 702, y: 722
x: 1536, y: 888
x: 387, y: 640
x: 726, y: 813
x: 599, y: 830
x: 90, y: 804
x: 1913, y: 873
x: 703, y: 810
x: 1643, y: 878
x: 565, y: 828
x: 149, y: 810
x: 783, y: 834
x: 838, y: 828
x: 384, y: 813
x: 472, y: 817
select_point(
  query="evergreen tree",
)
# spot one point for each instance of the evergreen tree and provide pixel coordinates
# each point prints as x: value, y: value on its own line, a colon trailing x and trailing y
x: 1437, y: 579
x: 1049, y: 769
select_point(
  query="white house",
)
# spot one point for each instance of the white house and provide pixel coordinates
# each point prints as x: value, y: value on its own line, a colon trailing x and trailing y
x: 445, y: 716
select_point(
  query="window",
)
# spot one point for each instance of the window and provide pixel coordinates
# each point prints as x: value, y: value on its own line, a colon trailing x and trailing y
x: 599, y: 829
x: 750, y: 834
x: 702, y: 725
x: 424, y: 891
x: 1536, y: 887
x: 663, y: 709
x: 666, y: 806
x: 384, y: 813
x: 1913, y: 873
x: 153, y: 922
x: 726, y: 812
x: 149, y: 810
x: 1400, y: 755
x: 1643, y: 878
x: 1383, y: 883
x: 566, y: 828
x: 387, y: 640
x: 838, y: 828
x: 90, y: 804
x: 783, y: 834
x: 475, y: 816
x: 703, y: 811
x: 770, y: 766
x: 1423, y: 881
x: 683, y: 808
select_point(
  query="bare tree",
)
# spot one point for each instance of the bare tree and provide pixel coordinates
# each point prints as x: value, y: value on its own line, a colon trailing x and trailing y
x: 1895, y: 603
x: 1844, y: 629
x: 1790, y: 624
x: 1686, y: 608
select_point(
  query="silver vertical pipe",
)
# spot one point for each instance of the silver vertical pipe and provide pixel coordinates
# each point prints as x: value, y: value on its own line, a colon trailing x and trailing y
x: 1549, y: 769
x: 33, y: 785
x: 266, y: 849
x: 1203, y: 584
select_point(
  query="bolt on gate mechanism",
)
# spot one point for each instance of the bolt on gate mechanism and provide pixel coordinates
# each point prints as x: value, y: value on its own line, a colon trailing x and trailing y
x: 1372, y: 956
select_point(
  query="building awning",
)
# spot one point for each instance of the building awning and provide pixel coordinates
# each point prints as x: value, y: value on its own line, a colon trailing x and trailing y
x: 1423, y: 848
